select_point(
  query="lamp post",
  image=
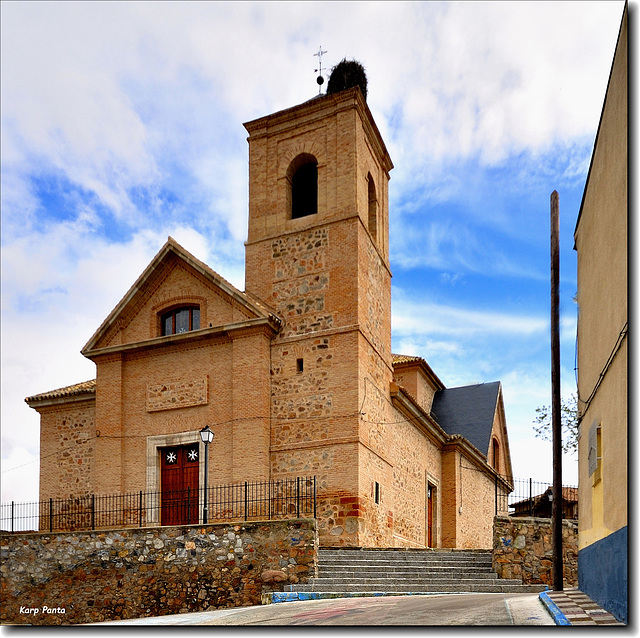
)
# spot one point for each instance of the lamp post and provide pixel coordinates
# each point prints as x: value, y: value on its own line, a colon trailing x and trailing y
x: 207, y: 436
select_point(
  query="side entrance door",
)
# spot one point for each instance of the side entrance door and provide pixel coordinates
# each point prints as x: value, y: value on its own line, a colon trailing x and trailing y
x: 180, y: 473
x: 429, y: 516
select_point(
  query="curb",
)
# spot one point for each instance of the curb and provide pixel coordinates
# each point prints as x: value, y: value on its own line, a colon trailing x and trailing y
x: 558, y: 617
x: 291, y: 596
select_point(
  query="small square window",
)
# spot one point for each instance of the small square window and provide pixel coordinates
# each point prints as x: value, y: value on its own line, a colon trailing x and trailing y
x: 300, y: 365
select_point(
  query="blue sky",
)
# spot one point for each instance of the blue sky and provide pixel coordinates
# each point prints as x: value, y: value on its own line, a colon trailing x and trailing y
x: 122, y: 125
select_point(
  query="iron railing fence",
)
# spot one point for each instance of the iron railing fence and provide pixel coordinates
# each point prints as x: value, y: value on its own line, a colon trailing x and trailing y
x: 534, y: 498
x: 285, y: 498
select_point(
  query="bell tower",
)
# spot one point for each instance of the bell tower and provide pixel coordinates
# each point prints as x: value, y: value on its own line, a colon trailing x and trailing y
x: 317, y: 253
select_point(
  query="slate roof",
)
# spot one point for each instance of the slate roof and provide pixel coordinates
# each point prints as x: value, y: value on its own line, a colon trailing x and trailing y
x: 468, y: 411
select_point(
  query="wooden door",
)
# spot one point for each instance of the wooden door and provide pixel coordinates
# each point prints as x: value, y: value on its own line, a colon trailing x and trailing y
x: 429, y: 516
x: 180, y: 475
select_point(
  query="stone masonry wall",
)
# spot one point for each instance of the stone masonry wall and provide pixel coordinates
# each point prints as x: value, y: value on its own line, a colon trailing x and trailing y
x: 522, y: 548
x: 68, y: 433
x: 83, y: 577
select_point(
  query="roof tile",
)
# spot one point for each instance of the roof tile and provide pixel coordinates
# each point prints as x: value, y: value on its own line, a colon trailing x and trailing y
x: 86, y: 387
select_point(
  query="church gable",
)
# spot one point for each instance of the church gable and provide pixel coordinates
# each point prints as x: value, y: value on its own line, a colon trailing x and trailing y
x: 499, y: 455
x: 175, y: 294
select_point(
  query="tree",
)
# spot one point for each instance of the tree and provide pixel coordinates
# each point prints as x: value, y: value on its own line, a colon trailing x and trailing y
x: 569, y: 420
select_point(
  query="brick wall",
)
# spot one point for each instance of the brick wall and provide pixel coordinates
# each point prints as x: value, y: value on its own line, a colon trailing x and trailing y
x: 82, y: 577
x: 523, y: 548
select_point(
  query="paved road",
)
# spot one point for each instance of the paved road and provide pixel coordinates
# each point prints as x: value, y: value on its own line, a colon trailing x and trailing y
x: 450, y: 609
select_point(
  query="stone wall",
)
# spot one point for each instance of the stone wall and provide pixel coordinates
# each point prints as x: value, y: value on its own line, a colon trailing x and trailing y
x: 67, y: 433
x: 83, y: 577
x: 523, y: 548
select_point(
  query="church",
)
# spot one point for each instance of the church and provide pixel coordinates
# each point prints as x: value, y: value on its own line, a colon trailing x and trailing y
x: 295, y: 375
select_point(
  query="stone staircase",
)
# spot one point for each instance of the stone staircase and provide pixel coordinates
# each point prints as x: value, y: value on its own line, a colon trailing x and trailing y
x: 357, y: 572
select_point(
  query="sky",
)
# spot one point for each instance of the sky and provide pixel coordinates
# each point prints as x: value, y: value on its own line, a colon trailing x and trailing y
x: 122, y: 125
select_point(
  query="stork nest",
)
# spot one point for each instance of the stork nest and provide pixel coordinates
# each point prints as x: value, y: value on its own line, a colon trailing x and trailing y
x: 345, y: 75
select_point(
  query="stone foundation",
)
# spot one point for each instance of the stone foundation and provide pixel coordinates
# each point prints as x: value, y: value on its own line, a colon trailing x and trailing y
x: 84, y: 577
x: 523, y: 548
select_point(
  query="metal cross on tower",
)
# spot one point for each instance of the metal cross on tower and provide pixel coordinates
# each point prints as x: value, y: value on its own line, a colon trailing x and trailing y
x: 319, y: 79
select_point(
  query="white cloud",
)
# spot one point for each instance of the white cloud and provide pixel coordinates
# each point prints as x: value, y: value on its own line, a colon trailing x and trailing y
x: 89, y: 83
x: 425, y: 318
x: 20, y: 475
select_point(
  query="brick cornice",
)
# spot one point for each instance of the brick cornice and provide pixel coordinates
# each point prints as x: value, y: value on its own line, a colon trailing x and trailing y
x: 62, y: 402
x: 317, y: 108
x: 266, y: 325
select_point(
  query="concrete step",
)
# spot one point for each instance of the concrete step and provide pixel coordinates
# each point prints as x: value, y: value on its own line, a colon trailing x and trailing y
x: 394, y: 558
x: 407, y: 554
x: 379, y: 564
x: 383, y: 582
x: 402, y: 560
x: 382, y: 562
x: 404, y: 576
x: 403, y: 572
x: 393, y: 572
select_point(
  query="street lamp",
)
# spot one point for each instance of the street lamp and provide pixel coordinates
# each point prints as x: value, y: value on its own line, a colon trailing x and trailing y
x: 207, y: 436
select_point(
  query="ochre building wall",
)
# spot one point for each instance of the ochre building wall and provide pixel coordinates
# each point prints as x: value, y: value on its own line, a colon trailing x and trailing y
x: 601, y: 241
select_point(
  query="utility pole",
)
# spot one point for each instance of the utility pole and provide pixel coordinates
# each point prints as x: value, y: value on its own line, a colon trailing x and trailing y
x: 556, y: 424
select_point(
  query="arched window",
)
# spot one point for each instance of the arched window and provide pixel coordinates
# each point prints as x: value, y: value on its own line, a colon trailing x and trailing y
x: 179, y: 320
x: 303, y: 177
x: 496, y: 455
x: 373, y: 208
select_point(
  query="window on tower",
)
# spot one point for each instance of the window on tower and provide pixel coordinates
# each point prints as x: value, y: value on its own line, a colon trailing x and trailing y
x: 373, y: 207
x: 303, y: 176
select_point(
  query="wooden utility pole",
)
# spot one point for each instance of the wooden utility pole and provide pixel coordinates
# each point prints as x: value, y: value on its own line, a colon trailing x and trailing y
x: 556, y: 424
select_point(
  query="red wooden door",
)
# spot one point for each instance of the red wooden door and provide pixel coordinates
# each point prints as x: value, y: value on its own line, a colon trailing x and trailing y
x: 429, y: 516
x: 180, y: 473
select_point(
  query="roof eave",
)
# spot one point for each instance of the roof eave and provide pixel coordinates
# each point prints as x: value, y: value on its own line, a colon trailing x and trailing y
x: 76, y: 393
x: 421, y: 363
x: 407, y: 404
x: 270, y: 325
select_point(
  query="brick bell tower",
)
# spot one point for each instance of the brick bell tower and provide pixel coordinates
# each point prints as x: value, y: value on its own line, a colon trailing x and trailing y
x: 318, y: 254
